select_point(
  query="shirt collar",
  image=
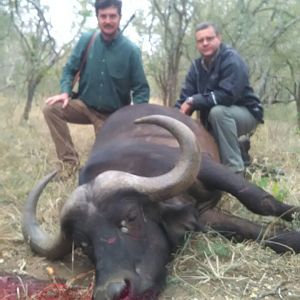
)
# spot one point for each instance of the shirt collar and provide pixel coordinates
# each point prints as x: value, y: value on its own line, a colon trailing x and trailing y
x: 113, y: 41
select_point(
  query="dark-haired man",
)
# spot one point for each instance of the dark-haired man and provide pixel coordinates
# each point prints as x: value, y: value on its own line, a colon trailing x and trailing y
x: 217, y: 85
x: 112, y: 77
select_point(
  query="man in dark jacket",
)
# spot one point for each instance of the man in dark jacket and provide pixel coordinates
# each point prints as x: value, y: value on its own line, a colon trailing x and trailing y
x: 217, y: 85
x: 112, y: 77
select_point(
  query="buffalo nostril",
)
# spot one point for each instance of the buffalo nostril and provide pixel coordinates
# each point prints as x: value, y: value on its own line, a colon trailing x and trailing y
x: 113, y: 291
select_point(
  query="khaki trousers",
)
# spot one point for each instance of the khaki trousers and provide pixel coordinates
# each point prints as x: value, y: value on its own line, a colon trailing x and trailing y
x: 75, y: 112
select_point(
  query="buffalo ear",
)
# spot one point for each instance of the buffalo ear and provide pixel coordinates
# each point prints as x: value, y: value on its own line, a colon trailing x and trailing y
x: 178, y: 220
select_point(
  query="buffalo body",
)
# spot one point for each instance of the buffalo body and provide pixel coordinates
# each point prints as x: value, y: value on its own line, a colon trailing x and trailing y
x: 129, y: 215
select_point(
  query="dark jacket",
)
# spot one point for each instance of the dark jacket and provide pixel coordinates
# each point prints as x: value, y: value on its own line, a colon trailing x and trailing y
x: 113, y: 75
x: 226, y: 83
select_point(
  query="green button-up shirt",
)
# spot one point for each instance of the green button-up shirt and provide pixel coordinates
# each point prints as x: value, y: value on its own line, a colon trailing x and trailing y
x: 113, y: 75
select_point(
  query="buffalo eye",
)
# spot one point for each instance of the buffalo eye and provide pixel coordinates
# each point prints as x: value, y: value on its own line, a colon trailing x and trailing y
x: 129, y: 221
x: 132, y: 216
x: 84, y: 244
x: 125, y: 224
x: 124, y: 227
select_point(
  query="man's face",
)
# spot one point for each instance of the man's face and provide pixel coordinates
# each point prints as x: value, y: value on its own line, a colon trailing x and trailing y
x: 109, y: 21
x: 207, y: 42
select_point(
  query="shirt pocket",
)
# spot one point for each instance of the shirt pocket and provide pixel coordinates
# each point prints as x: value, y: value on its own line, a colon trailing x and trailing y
x: 119, y: 72
x: 118, y: 66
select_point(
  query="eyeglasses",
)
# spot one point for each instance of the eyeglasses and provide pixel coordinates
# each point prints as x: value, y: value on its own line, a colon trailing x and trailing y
x: 207, y: 39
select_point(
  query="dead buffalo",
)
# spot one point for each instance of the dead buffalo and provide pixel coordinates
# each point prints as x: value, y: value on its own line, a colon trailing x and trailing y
x: 138, y: 195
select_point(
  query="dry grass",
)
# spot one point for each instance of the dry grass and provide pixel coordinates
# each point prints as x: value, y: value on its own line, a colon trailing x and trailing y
x: 207, y: 267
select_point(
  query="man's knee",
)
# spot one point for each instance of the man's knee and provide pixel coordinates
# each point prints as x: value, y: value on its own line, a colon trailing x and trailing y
x: 216, y: 113
x: 49, y: 110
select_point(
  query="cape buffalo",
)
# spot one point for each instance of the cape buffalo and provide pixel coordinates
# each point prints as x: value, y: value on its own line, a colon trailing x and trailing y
x: 139, y: 193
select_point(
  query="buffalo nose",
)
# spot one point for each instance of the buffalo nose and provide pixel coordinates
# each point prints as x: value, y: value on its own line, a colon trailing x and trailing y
x: 112, y: 291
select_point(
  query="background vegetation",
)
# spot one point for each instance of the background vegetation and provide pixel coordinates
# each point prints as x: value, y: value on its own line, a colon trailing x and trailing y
x: 207, y: 267
x: 265, y: 32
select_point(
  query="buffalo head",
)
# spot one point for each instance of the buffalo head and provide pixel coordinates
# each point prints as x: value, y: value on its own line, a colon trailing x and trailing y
x: 117, y: 218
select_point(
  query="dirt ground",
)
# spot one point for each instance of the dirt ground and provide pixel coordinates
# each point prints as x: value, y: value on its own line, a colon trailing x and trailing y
x: 247, y: 272
x: 17, y: 258
x: 18, y: 264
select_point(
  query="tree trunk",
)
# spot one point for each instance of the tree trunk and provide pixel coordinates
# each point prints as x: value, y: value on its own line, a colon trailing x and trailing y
x: 172, y: 86
x: 31, y: 87
x: 298, y: 104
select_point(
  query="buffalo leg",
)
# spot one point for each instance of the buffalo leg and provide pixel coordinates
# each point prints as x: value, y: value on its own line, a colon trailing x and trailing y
x: 217, y: 176
x: 238, y: 229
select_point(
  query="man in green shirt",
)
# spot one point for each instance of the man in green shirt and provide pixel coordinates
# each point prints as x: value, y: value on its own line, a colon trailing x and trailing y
x: 112, y: 77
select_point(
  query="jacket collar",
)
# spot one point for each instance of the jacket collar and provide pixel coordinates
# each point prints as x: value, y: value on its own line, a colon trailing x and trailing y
x: 208, y: 65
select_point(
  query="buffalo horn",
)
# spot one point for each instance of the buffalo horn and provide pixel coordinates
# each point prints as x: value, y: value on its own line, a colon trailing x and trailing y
x: 39, y: 241
x: 164, y: 186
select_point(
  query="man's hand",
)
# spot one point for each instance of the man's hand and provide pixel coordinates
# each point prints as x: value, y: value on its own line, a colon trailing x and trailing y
x: 64, y: 98
x: 186, y: 108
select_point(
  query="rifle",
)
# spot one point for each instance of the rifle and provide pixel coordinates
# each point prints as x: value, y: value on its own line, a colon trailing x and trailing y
x: 74, y: 94
x: 128, y: 22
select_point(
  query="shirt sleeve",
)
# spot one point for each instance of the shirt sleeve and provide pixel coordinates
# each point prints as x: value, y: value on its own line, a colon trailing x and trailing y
x: 139, y: 84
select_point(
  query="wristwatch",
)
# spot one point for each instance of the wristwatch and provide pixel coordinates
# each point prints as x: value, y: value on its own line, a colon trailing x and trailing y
x: 189, y: 100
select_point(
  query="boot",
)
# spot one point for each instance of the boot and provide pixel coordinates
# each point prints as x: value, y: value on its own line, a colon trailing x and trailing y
x: 244, y: 142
